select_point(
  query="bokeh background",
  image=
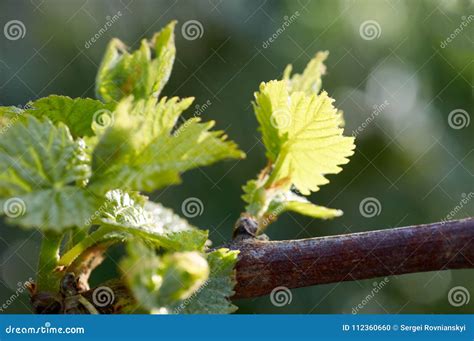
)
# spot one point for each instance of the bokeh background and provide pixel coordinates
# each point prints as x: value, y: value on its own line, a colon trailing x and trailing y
x: 413, y: 157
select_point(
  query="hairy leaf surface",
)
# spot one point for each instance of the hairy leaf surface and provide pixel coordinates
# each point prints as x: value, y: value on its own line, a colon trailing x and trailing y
x: 142, y: 73
x: 44, y: 168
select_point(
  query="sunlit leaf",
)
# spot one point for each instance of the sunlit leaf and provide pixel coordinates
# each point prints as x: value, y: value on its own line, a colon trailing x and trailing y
x: 141, y: 152
x: 142, y: 73
x: 44, y: 169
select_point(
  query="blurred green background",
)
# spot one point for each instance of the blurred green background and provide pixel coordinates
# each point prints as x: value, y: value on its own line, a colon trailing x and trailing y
x: 412, y: 156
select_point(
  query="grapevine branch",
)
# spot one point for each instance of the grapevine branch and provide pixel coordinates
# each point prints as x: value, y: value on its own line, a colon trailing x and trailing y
x: 265, y: 265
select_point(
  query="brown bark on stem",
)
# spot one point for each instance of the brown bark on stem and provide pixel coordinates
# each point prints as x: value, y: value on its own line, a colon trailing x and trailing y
x: 262, y: 266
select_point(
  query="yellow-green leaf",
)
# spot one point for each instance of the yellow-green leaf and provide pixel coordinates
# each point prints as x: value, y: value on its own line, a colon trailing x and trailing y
x: 313, y: 143
x: 142, y: 73
x: 309, y: 81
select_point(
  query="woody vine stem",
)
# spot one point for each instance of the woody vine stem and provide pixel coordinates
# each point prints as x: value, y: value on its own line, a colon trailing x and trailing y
x: 264, y: 265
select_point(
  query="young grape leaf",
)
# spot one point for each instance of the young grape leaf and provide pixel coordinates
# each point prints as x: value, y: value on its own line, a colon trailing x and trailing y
x: 289, y: 201
x: 158, y: 282
x: 134, y: 214
x: 79, y: 114
x: 255, y: 196
x: 311, y: 143
x: 271, y: 109
x: 139, y: 151
x: 302, y: 134
x: 213, y: 296
x: 309, y: 81
x: 40, y: 164
x: 311, y: 210
x: 139, y: 74
x: 265, y: 205
x: 9, y: 116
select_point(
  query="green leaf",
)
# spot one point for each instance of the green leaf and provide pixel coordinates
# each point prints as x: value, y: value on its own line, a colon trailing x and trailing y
x: 158, y: 282
x: 139, y: 73
x: 309, y: 81
x: 213, y: 296
x: 311, y: 210
x: 255, y: 196
x: 271, y: 109
x: 140, y: 152
x: 79, y: 114
x: 116, y: 144
x: 303, y: 136
x: 9, y: 116
x: 265, y: 205
x: 133, y: 213
x: 53, y: 209
x: 289, y: 201
x: 311, y: 142
x: 40, y: 167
